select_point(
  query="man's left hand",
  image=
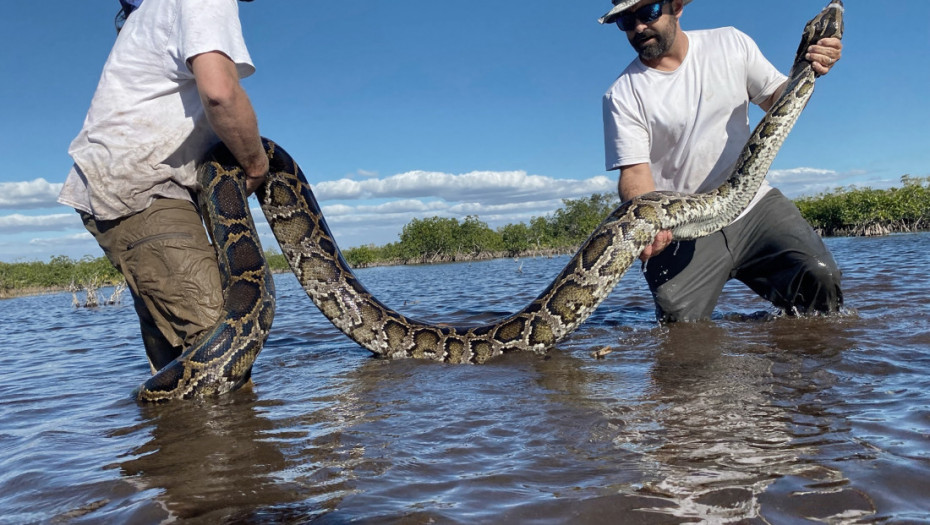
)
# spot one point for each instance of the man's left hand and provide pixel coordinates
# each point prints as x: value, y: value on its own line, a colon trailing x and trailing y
x: 824, y: 54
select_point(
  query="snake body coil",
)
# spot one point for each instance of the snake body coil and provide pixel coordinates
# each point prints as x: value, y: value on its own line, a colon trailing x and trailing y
x: 222, y: 360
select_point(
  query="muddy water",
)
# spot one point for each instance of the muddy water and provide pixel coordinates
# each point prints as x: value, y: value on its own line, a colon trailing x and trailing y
x: 749, y: 418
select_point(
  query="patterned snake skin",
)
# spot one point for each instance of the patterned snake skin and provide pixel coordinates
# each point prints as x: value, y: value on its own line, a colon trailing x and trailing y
x: 221, y: 361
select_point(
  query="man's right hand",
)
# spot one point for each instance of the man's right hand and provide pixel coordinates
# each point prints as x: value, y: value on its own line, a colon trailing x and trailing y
x: 253, y: 183
x: 662, y: 240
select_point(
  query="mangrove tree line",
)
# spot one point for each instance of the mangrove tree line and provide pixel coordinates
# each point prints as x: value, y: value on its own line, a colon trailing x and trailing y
x: 843, y: 211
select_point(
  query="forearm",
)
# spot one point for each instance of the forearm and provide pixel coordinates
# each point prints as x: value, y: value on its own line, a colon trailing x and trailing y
x: 229, y: 111
x: 234, y: 122
x: 636, y: 180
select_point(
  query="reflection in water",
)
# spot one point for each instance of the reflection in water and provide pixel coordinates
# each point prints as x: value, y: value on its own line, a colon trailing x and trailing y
x: 721, y: 441
x: 211, y: 460
x: 727, y: 422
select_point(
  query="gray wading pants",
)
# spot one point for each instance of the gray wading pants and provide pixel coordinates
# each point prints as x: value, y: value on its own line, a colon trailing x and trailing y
x: 171, y: 270
x: 772, y: 250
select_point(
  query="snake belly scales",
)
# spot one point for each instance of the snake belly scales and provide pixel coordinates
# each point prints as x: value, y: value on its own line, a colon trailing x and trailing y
x: 221, y: 360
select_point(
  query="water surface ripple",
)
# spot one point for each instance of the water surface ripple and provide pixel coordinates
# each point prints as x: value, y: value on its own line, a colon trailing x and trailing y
x: 749, y: 418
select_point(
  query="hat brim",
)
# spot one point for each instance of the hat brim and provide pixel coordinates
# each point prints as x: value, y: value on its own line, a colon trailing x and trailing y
x: 612, y: 15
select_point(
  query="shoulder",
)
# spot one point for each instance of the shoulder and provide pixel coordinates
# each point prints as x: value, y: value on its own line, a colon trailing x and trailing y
x: 209, y: 9
x: 212, y: 25
x: 723, y: 42
x: 725, y: 34
x: 721, y: 36
x: 624, y: 84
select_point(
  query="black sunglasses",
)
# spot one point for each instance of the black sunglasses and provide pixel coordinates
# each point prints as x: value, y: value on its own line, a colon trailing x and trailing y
x: 626, y: 21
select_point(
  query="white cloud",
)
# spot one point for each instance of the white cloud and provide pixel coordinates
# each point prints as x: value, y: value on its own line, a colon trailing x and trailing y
x: 38, y: 193
x: 18, y: 223
x: 79, y: 238
x: 479, y: 186
x: 16, y: 248
x: 802, y: 182
x: 496, y: 197
x: 482, y: 210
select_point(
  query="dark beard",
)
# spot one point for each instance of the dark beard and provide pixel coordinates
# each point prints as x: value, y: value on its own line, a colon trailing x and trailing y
x: 655, y: 49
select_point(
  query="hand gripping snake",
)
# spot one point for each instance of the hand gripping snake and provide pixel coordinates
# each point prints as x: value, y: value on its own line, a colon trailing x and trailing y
x: 221, y: 360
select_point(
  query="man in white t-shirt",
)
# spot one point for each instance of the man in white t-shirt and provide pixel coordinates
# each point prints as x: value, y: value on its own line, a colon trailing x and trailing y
x: 168, y: 92
x: 676, y: 119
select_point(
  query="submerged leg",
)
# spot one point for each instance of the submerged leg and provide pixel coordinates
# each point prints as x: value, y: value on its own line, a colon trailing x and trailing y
x: 784, y: 260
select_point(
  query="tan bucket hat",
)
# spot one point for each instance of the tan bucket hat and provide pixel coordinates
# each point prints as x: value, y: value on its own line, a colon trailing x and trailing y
x: 621, y: 6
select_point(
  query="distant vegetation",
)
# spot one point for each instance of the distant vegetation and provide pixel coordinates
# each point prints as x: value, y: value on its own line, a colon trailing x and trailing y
x: 438, y: 239
x: 59, y: 273
x: 864, y: 211
x: 844, y: 211
x: 433, y: 239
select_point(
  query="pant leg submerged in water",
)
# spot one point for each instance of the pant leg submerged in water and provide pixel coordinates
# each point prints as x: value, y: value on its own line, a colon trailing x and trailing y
x: 772, y: 249
x: 171, y: 270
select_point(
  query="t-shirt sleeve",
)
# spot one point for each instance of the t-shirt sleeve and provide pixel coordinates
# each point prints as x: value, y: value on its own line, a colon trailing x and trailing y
x: 626, y: 138
x: 762, y: 78
x: 213, y: 25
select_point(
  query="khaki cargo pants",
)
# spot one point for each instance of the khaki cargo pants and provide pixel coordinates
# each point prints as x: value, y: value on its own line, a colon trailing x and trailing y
x: 171, y: 269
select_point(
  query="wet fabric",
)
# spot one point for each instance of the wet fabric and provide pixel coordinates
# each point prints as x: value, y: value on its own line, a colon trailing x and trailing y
x: 171, y: 270
x: 772, y: 250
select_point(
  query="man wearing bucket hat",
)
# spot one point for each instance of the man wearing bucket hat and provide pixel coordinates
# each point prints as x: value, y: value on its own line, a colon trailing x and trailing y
x: 676, y: 119
x: 168, y: 92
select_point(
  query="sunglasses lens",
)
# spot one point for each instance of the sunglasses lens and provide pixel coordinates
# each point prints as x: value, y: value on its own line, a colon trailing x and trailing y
x: 649, y: 13
x: 626, y: 22
x: 645, y: 14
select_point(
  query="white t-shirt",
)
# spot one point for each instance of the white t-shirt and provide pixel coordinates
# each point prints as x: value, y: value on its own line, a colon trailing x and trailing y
x: 146, y: 130
x: 689, y: 124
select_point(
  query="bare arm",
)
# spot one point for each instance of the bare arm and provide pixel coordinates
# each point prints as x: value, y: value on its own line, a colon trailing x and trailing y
x: 823, y: 56
x: 230, y: 113
x: 769, y: 102
x: 635, y: 180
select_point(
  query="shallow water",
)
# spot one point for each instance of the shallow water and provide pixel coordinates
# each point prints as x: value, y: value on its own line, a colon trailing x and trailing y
x: 749, y: 418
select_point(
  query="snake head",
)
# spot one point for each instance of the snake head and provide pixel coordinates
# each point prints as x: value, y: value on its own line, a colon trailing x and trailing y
x: 827, y: 24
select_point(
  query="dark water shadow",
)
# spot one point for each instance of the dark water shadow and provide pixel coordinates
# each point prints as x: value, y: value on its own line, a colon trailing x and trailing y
x: 210, y: 461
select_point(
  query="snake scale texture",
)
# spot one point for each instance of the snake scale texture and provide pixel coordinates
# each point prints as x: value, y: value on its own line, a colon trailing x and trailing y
x: 221, y: 360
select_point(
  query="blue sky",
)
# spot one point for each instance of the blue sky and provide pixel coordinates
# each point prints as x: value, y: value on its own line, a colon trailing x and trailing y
x: 416, y: 108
